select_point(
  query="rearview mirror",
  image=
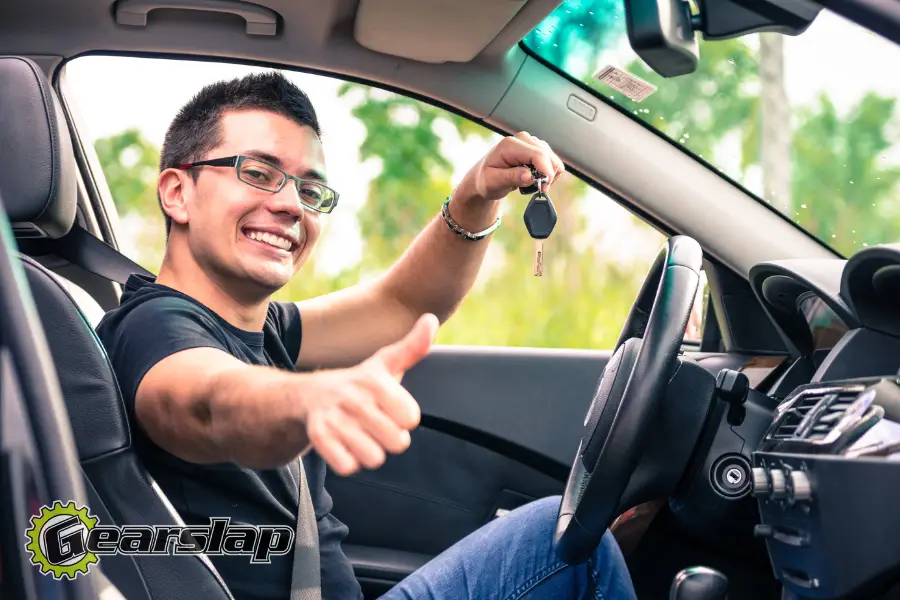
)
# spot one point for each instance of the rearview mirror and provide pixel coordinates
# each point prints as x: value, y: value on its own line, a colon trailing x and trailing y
x: 663, y: 32
x: 660, y: 32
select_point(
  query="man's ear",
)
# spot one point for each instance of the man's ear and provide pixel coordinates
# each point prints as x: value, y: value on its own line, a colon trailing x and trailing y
x: 174, y: 188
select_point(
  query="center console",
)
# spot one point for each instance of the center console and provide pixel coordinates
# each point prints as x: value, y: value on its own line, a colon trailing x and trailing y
x: 827, y: 479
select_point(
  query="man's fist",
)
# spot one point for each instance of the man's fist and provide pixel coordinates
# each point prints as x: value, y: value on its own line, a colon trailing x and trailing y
x: 356, y: 415
x: 501, y: 171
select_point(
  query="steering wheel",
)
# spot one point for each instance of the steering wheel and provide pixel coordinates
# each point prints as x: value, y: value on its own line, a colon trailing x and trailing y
x: 633, y: 385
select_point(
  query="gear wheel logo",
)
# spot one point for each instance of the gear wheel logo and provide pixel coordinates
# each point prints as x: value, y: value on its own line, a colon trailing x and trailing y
x: 58, y: 540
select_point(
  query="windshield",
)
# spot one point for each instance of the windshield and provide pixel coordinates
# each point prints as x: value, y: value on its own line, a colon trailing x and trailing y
x: 807, y: 123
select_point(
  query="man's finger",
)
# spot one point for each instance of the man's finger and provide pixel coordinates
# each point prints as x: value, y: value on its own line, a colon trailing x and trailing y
x: 379, y: 425
x: 518, y: 151
x: 329, y: 448
x: 558, y: 164
x: 402, y: 355
x: 519, y: 177
x: 396, y: 402
x: 364, y: 449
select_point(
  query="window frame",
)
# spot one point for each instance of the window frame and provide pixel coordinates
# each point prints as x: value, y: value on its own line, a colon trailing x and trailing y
x: 98, y: 208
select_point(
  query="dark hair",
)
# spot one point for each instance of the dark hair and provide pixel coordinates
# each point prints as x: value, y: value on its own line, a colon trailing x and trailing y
x: 196, y: 129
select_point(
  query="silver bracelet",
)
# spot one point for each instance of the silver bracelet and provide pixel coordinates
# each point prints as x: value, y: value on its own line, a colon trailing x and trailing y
x: 466, y: 235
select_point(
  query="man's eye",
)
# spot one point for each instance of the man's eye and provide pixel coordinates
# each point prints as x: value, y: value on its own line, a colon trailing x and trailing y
x: 313, y: 193
x: 257, y: 175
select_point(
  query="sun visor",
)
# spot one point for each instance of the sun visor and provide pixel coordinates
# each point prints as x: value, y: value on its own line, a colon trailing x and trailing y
x: 432, y: 31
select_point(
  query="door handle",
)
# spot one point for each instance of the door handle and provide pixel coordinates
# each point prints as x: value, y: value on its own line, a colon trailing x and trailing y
x: 260, y: 20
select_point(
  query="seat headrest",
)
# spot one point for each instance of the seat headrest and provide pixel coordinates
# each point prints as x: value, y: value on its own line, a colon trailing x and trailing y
x: 37, y: 164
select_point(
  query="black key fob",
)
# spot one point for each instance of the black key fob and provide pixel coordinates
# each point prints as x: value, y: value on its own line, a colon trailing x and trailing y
x: 540, y: 216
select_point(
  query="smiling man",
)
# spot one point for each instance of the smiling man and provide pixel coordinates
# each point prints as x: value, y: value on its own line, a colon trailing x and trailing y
x: 227, y: 388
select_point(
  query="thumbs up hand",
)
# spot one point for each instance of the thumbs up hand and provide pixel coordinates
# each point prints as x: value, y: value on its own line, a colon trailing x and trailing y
x: 355, y: 416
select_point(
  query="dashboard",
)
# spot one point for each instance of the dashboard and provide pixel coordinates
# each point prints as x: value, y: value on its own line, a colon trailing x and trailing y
x: 826, y: 472
x: 838, y: 318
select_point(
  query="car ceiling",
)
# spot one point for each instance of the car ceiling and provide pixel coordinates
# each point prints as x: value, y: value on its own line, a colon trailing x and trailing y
x: 463, y: 54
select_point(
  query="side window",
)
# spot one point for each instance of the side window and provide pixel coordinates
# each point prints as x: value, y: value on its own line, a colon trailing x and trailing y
x: 393, y: 160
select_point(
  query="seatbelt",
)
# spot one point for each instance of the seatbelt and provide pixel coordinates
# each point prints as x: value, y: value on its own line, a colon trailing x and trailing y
x: 82, y: 249
x: 306, y: 578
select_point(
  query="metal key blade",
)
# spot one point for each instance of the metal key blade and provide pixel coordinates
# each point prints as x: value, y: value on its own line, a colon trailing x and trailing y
x: 538, y: 258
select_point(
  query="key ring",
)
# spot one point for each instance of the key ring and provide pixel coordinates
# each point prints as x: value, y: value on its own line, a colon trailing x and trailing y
x: 539, y: 181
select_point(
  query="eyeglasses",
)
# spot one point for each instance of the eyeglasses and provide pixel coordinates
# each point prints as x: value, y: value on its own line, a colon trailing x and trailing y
x: 264, y: 176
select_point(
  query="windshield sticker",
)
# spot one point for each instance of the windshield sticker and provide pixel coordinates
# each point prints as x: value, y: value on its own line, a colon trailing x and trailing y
x: 623, y: 82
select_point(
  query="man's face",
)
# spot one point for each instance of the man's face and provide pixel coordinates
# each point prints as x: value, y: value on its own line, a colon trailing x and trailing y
x: 237, y: 230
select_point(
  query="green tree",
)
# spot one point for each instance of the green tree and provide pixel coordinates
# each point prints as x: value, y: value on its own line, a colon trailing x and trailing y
x: 400, y: 132
x: 699, y: 110
x: 130, y: 166
x: 843, y: 189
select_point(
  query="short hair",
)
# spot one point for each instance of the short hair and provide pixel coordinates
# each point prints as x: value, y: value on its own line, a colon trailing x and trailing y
x: 196, y: 129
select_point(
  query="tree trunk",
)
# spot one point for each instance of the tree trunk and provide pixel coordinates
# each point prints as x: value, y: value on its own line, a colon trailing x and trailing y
x: 776, y: 123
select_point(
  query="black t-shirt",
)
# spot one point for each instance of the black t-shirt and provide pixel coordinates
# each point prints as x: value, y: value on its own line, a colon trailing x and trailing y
x: 155, y: 321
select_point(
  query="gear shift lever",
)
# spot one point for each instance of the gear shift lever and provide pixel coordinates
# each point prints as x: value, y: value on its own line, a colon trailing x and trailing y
x: 699, y: 583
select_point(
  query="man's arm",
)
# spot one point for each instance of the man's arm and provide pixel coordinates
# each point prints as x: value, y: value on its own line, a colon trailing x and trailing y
x: 205, y: 406
x: 433, y: 275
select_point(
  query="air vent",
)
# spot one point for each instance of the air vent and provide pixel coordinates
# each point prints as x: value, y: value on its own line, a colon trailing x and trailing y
x: 790, y: 421
x: 828, y: 413
x: 814, y: 420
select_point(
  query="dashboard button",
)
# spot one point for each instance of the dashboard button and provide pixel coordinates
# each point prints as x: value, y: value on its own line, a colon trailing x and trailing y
x: 801, y: 486
x: 760, y: 482
x: 779, y: 484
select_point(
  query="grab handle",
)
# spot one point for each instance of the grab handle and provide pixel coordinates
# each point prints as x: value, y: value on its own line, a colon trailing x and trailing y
x: 260, y: 20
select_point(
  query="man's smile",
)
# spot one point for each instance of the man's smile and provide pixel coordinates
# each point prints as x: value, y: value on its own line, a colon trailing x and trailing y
x: 285, y: 240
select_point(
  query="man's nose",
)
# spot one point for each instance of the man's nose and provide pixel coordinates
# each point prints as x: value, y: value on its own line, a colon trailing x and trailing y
x: 287, y: 200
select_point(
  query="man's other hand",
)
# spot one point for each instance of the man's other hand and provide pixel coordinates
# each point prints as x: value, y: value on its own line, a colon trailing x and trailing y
x: 355, y: 416
x: 502, y: 170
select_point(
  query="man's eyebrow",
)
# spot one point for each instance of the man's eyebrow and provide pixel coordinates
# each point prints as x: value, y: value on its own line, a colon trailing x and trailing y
x: 271, y: 158
x: 263, y: 155
x: 313, y: 174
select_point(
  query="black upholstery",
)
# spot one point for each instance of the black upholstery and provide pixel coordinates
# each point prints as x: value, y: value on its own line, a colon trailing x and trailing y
x: 120, y: 489
x: 37, y: 163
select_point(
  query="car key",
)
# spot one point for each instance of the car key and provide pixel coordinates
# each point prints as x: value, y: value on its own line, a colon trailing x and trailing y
x: 540, y: 219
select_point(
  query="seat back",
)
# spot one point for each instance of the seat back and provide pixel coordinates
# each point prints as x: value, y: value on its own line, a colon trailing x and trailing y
x: 41, y: 201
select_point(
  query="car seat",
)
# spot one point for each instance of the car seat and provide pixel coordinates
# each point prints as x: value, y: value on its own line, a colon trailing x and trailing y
x: 38, y: 181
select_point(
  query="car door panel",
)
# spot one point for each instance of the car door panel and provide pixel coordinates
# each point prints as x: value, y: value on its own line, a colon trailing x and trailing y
x: 500, y: 427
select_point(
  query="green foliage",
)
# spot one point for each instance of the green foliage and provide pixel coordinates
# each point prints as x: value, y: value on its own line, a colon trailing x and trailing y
x: 400, y: 132
x: 843, y: 188
x: 720, y: 97
x: 129, y: 164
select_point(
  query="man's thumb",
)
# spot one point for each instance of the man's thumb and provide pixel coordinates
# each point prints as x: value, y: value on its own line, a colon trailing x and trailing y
x: 403, y: 354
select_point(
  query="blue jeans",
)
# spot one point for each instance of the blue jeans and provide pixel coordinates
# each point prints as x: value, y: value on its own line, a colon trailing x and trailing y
x: 512, y: 558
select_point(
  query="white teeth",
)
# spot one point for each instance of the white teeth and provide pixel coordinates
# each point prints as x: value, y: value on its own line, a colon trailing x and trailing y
x: 271, y: 239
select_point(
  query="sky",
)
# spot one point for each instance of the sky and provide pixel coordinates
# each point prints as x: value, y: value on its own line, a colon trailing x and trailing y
x: 115, y: 93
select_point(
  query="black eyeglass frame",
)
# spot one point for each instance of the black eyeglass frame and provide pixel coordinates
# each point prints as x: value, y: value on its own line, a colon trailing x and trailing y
x: 237, y: 161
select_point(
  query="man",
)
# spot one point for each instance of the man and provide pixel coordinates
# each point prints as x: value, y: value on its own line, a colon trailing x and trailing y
x: 228, y: 388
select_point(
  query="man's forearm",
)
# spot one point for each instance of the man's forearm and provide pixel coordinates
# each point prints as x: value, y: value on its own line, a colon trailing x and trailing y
x: 230, y: 412
x: 439, y: 267
x: 256, y: 418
